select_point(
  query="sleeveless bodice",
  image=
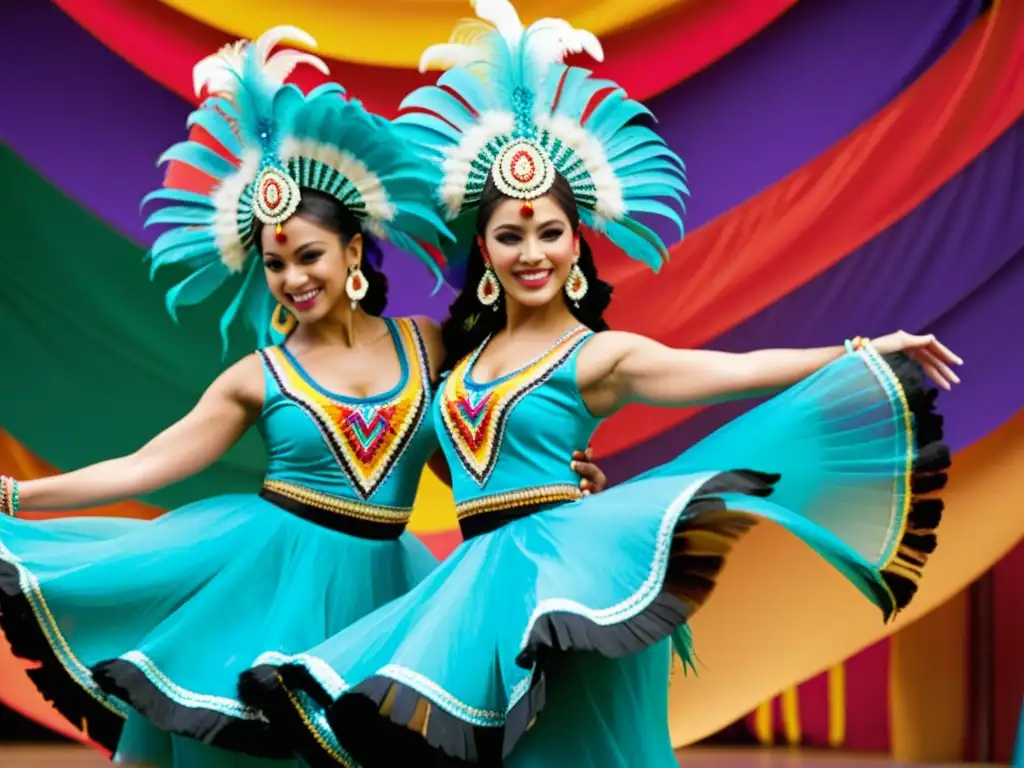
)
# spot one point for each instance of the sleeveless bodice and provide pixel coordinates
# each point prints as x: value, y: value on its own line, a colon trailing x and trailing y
x: 361, y: 456
x: 509, y: 441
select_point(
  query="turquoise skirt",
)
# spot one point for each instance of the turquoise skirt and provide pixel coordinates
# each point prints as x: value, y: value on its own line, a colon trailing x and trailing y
x: 141, y: 629
x: 545, y: 641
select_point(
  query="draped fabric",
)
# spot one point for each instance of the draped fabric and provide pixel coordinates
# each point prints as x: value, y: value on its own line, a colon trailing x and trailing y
x: 647, y: 56
x: 855, y: 167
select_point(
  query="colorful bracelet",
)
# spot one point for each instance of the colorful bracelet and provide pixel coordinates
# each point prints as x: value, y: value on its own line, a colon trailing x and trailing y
x: 856, y: 344
x: 8, y: 495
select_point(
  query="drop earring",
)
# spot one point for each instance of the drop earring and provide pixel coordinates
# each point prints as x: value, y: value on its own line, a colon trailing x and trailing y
x: 283, y: 321
x: 576, y: 286
x: 356, y: 285
x: 489, y: 289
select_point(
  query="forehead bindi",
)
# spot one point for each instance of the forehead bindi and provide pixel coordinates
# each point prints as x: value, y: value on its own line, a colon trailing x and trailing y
x: 543, y: 212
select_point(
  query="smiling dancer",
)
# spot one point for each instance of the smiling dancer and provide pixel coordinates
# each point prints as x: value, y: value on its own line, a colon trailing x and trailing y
x: 141, y: 629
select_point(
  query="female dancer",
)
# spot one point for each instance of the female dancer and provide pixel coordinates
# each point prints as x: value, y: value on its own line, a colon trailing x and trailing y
x: 149, y: 624
x: 555, y: 614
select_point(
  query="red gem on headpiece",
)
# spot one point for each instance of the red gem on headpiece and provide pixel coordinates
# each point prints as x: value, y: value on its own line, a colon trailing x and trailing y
x: 279, y: 234
x: 523, y: 167
x: 526, y: 210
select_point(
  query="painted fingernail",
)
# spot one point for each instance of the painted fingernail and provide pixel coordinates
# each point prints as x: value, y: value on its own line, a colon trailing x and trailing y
x: 573, y: 466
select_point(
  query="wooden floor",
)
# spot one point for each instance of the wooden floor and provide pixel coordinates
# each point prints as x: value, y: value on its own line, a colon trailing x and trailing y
x: 72, y: 757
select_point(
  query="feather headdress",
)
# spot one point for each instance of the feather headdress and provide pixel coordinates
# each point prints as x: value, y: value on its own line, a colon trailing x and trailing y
x: 278, y: 140
x: 508, y: 107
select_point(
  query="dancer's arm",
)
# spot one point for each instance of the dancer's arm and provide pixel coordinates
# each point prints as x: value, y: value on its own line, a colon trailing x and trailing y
x: 223, y: 414
x: 616, y: 369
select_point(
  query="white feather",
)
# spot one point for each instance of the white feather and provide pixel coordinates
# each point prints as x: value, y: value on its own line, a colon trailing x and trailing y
x: 551, y: 40
x: 218, y: 73
x: 503, y: 15
x: 378, y: 205
x: 214, y: 72
x: 449, y: 55
x: 610, y: 203
x: 459, y: 158
x: 225, y: 202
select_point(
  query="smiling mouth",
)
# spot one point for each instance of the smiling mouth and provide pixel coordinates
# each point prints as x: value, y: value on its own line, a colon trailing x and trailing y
x: 534, y: 278
x: 306, y: 299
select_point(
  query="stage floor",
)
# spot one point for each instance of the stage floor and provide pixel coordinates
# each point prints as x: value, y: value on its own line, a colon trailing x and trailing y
x: 72, y: 757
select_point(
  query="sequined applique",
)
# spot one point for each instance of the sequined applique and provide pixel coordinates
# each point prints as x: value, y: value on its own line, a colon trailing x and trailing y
x: 366, y: 438
x: 475, y: 415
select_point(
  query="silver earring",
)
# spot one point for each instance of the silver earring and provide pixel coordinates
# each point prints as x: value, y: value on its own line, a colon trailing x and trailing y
x: 356, y: 285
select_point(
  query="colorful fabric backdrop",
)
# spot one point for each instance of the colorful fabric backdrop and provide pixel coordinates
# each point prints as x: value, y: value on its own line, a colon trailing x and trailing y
x: 855, y: 168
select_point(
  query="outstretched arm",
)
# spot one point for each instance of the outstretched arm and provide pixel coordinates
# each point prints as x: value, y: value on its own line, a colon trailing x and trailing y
x: 223, y: 414
x: 616, y: 369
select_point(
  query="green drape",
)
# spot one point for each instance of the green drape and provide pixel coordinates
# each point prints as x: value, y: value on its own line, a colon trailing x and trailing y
x: 92, y: 365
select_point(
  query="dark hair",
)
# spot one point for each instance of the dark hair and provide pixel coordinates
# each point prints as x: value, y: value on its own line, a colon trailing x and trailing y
x: 469, y: 322
x: 326, y: 211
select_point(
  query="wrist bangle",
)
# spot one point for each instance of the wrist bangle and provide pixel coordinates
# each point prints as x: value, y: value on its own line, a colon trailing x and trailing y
x: 8, y: 495
x: 856, y: 344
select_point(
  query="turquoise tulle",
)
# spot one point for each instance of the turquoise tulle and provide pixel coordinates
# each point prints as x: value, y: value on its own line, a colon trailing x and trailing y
x: 539, y: 634
x: 180, y: 606
x: 142, y: 629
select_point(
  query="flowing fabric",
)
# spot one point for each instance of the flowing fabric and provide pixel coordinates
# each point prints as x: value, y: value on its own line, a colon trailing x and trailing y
x: 140, y: 629
x: 461, y: 669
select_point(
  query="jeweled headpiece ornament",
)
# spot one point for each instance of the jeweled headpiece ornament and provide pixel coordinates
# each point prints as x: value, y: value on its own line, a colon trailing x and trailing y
x: 509, y: 108
x: 273, y: 141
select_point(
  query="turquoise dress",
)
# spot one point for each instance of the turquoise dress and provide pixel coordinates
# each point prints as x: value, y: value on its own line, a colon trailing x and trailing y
x: 142, y: 628
x: 545, y: 638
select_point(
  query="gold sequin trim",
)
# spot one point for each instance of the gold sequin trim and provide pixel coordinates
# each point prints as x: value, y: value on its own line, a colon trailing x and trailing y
x: 542, y: 494
x: 337, y: 505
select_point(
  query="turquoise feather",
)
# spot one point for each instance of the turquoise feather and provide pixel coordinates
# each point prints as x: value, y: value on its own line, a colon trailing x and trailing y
x: 218, y: 127
x: 262, y: 116
x: 196, y: 287
x: 171, y: 195
x: 199, y: 157
x: 509, y: 80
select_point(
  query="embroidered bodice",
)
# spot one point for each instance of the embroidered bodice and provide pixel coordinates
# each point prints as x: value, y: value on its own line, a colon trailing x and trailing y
x: 368, y: 451
x: 509, y: 441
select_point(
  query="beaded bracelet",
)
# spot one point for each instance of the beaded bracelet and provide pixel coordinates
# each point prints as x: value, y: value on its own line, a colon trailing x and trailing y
x: 856, y: 344
x: 8, y: 495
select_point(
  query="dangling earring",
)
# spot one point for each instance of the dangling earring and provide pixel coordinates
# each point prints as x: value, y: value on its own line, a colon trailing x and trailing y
x: 356, y: 285
x: 283, y: 321
x: 489, y: 289
x: 576, y: 286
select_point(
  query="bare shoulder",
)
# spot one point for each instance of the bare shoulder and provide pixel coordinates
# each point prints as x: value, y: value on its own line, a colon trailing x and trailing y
x: 607, y: 345
x: 430, y: 330
x: 602, y: 352
x: 243, y: 382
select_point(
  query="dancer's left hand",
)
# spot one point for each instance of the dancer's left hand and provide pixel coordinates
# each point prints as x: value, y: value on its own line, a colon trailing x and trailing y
x: 934, y: 356
x: 594, y: 480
